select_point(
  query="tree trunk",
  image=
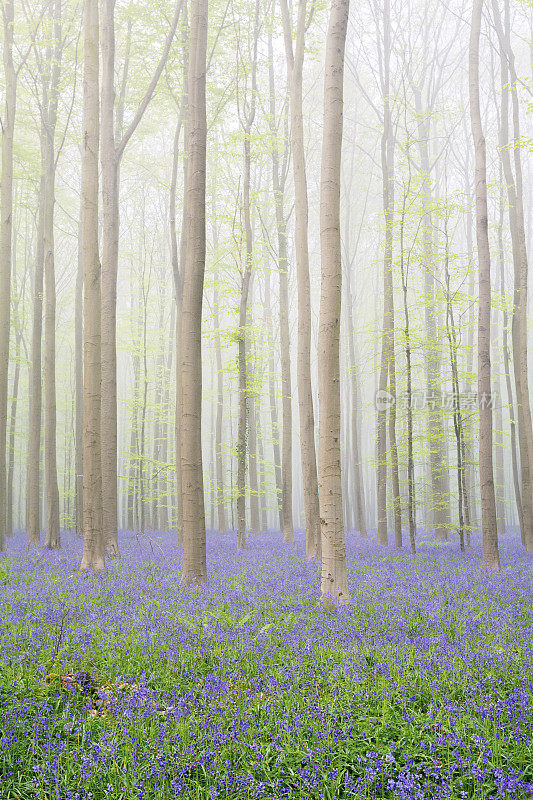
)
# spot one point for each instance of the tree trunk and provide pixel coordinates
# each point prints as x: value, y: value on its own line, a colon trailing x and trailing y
x: 508, y: 384
x: 273, y: 402
x: 219, y: 462
x: 93, y: 540
x: 33, y: 517
x: 12, y: 436
x: 404, y: 269
x: 488, y: 504
x: 295, y: 61
x: 78, y: 356
x: 111, y: 154
x: 385, y: 398
x: 520, y: 265
x: 499, y: 478
x: 252, y: 454
x: 247, y: 120
x: 436, y: 433
x: 178, y: 264
x: 278, y: 185
x: 334, y: 582
x: 6, y: 227
x: 53, y: 537
x: 194, y: 542
x: 358, y: 482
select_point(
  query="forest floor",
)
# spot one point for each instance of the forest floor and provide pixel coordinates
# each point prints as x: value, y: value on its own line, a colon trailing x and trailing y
x: 133, y: 686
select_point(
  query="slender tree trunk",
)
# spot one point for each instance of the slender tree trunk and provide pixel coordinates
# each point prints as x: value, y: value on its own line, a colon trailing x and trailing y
x: 358, y: 483
x: 177, y: 268
x: 219, y: 462
x: 247, y: 120
x: 451, y: 334
x: 520, y: 264
x: 436, y: 433
x: 134, y: 448
x: 78, y: 350
x: 12, y: 435
x: 386, y: 398
x: 33, y: 518
x: 165, y: 428
x: 261, y: 471
x: 194, y: 542
x: 273, y: 403
x: 278, y: 184
x: 111, y: 154
x: 295, y: 60
x: 499, y: 486
x: 93, y: 540
x: 508, y: 384
x: 143, y: 488
x: 252, y: 452
x: 6, y: 227
x: 110, y: 232
x: 404, y: 268
x: 53, y: 537
x: 488, y: 504
x: 334, y: 584
x: 468, y: 429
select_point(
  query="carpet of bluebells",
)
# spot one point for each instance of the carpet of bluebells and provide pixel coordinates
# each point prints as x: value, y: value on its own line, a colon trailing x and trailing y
x: 134, y: 686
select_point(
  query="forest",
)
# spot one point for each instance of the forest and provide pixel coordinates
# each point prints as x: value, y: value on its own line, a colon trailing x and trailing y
x: 266, y: 442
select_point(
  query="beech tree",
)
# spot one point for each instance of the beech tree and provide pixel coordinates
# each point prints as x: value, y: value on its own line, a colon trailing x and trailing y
x: 488, y: 502
x: 93, y: 538
x: 334, y: 583
x: 295, y: 60
x: 194, y: 546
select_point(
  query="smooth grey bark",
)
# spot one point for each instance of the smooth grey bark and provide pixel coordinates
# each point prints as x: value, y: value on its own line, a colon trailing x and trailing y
x: 177, y: 256
x: 78, y: 369
x: 436, y: 436
x: 18, y: 293
x: 451, y: 333
x: 404, y: 270
x: 157, y: 430
x: 520, y: 267
x: 387, y: 368
x: 499, y: 476
x: 33, y: 516
x: 252, y: 446
x: 468, y: 421
x: 93, y: 540
x: 488, y: 504
x: 272, y: 400
x: 356, y: 452
x: 295, y: 60
x: 49, y: 110
x: 194, y: 542
x: 508, y: 383
x: 278, y: 184
x: 165, y: 427
x: 6, y: 228
x: 219, y: 461
x: 334, y: 581
x: 112, y: 150
x: 246, y: 111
